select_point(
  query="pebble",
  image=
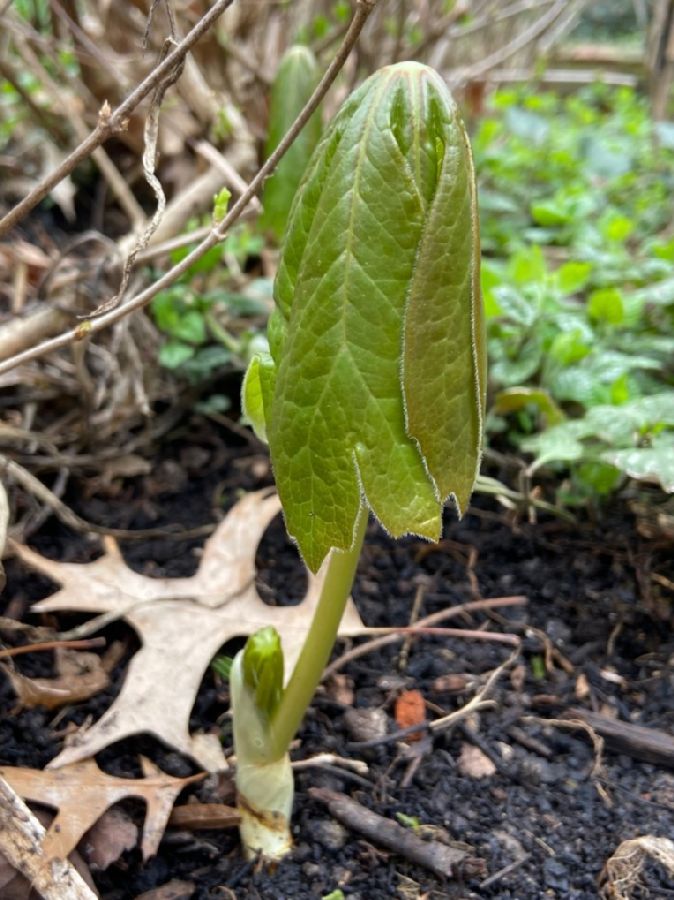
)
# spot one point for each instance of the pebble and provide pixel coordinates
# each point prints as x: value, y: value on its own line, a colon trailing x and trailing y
x: 328, y: 833
x: 366, y: 724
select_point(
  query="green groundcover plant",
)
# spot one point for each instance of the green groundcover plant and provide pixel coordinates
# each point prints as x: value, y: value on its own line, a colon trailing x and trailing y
x: 372, y: 395
x: 578, y: 282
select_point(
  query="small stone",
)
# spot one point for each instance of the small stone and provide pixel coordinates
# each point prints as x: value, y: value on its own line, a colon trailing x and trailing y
x: 312, y: 870
x: 366, y: 724
x: 329, y: 833
x: 556, y: 875
x: 474, y: 763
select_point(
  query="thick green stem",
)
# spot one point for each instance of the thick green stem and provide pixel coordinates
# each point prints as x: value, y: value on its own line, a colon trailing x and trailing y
x: 337, y: 584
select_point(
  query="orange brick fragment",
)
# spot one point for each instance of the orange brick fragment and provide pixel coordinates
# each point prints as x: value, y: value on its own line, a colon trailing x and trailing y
x: 410, y: 710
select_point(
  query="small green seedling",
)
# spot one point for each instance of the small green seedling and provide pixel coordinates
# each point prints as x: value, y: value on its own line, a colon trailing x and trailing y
x: 295, y: 80
x: 372, y: 395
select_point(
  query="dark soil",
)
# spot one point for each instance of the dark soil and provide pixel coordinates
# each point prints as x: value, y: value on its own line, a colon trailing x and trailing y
x: 591, y: 598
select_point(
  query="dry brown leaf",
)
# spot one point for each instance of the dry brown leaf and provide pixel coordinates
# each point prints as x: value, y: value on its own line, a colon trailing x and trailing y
x: 108, y: 838
x: 182, y: 623
x: 172, y: 890
x: 81, y: 793
x: 22, y: 837
x: 620, y: 876
x: 203, y: 816
x: 81, y: 675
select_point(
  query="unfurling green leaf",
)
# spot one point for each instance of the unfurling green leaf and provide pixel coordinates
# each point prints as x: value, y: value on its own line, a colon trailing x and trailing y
x: 262, y: 669
x: 378, y: 376
x: 296, y: 78
x: 220, y: 203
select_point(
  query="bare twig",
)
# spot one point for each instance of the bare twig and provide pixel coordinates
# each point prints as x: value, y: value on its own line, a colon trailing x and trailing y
x: 478, y: 702
x: 434, y: 619
x: 528, y: 36
x: 21, y: 837
x: 34, y: 486
x: 150, y: 137
x: 61, y: 101
x: 110, y: 122
x: 439, y: 858
x: 52, y: 645
x: 91, y: 327
x: 4, y: 521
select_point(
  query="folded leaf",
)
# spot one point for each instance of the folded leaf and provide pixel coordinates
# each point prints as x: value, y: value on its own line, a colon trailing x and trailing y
x: 377, y: 338
x: 295, y: 80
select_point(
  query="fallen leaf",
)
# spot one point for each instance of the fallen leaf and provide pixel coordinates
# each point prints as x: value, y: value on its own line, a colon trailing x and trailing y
x: 203, y: 816
x: 182, y: 623
x: 108, y: 838
x: 474, y: 763
x: 340, y: 689
x: 81, y: 675
x: 172, y: 890
x: 582, y: 686
x: 452, y: 683
x: 82, y: 793
x: 619, y: 879
x: 410, y: 710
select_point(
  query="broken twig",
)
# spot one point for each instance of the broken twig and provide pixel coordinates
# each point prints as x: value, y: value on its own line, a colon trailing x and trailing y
x: 444, y: 861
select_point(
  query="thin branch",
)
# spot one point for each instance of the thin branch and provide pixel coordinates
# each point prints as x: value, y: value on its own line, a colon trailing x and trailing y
x: 110, y: 122
x: 528, y: 36
x: 21, y: 842
x: 10, y: 652
x: 11, y: 469
x: 93, y: 326
x: 434, y: 619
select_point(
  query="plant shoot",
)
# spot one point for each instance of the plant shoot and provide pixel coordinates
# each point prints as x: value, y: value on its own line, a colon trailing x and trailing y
x: 371, y: 397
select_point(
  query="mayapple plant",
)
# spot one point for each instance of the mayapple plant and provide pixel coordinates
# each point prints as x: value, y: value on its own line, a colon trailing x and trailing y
x: 372, y: 394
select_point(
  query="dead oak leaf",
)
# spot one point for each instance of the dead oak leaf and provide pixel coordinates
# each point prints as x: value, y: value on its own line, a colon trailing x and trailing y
x: 80, y: 676
x: 82, y: 793
x: 182, y: 623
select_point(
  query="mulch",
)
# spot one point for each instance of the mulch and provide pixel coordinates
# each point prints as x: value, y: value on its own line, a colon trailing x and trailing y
x: 596, y: 637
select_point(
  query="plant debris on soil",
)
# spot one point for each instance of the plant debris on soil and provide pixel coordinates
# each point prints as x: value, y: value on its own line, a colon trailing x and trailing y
x: 524, y: 786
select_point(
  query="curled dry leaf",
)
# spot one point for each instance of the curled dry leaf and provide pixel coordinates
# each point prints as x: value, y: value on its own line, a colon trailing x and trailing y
x: 108, y: 838
x: 620, y: 877
x: 80, y: 676
x: 182, y: 623
x: 204, y: 816
x: 82, y: 793
x: 172, y: 890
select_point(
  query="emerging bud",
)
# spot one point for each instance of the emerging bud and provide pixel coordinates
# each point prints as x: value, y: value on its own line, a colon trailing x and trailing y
x: 375, y: 383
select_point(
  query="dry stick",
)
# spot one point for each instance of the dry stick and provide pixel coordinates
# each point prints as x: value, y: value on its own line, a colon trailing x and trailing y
x: 212, y: 155
x: 110, y: 122
x: 52, y: 645
x: 508, y: 12
x: 109, y: 170
x: 499, y: 56
x: 479, y: 701
x: 150, y: 138
x: 447, y: 862
x: 21, y: 837
x: 34, y: 486
x: 435, y: 618
x: 93, y: 326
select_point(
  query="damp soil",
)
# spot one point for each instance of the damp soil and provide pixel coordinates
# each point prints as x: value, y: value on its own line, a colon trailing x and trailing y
x: 596, y: 633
